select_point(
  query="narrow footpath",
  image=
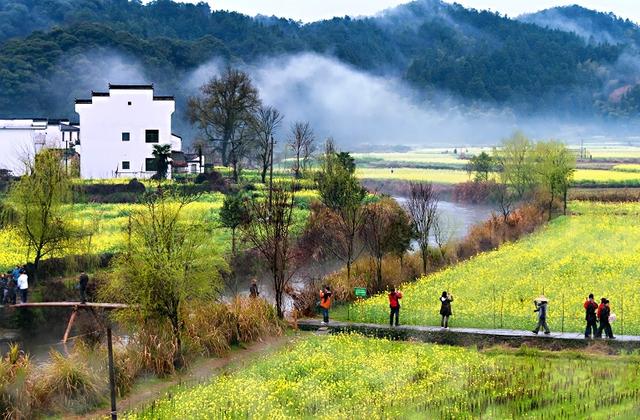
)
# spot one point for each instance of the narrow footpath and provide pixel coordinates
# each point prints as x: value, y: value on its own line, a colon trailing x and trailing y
x: 472, y: 336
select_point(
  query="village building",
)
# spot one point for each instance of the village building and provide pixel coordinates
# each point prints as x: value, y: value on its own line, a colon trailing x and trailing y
x: 120, y: 128
x: 22, y: 138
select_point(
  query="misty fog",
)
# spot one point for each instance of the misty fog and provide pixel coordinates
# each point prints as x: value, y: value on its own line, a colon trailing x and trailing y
x: 352, y: 106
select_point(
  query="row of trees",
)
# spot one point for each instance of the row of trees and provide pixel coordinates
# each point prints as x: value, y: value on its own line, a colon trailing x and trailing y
x: 522, y: 168
x: 231, y: 117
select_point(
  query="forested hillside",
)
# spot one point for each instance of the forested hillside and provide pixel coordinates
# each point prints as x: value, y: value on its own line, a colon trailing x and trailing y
x: 50, y: 51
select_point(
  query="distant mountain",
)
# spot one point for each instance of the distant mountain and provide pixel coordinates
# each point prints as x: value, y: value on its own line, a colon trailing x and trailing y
x: 52, y: 51
x: 594, y: 27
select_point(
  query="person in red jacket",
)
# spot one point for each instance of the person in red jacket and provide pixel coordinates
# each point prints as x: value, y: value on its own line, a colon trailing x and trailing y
x: 590, y: 307
x: 394, y: 305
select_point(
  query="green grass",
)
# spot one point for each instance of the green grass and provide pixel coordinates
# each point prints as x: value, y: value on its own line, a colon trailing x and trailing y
x: 349, y: 376
x: 595, y: 251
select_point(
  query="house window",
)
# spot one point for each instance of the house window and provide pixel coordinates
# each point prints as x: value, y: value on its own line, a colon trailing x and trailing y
x: 150, y: 165
x: 126, y: 165
x: 126, y: 136
x: 152, y: 136
x: 129, y: 103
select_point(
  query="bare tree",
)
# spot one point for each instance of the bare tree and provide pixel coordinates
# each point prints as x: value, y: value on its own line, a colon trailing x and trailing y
x: 504, y: 198
x: 266, y: 122
x: 226, y: 104
x: 308, y: 152
x: 387, y: 229
x: 269, y: 231
x: 442, y: 233
x: 422, y: 207
x: 300, y: 142
x: 241, y: 146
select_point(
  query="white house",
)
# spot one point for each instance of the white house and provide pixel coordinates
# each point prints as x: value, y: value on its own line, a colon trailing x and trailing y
x: 22, y: 138
x: 120, y: 128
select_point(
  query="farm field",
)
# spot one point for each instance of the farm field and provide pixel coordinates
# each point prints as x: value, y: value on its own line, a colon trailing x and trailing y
x: 108, y: 221
x: 596, y: 250
x: 452, y: 176
x: 349, y: 376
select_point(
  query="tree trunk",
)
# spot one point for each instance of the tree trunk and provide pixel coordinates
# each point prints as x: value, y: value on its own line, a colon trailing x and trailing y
x: 233, y: 241
x: 177, y: 359
x: 565, y: 201
x: 379, y: 272
x: 425, y: 256
x: 263, y: 173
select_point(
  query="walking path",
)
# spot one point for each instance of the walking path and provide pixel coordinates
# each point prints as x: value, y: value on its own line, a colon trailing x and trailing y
x: 466, y: 336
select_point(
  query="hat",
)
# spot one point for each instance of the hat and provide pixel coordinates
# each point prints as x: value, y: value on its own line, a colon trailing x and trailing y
x: 541, y: 298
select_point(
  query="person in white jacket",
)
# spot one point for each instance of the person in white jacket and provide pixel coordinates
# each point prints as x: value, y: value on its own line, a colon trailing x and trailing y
x: 23, y: 286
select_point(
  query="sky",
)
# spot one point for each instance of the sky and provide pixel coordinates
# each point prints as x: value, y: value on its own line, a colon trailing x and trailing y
x: 311, y: 10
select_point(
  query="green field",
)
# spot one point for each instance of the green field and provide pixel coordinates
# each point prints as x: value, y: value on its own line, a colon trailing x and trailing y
x: 349, y: 376
x: 596, y: 250
x: 108, y: 222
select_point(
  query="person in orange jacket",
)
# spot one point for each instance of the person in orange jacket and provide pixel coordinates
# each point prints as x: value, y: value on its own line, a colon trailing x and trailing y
x: 394, y: 305
x: 325, y: 304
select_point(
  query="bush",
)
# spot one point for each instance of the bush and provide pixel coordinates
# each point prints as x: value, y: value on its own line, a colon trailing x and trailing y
x: 16, y: 388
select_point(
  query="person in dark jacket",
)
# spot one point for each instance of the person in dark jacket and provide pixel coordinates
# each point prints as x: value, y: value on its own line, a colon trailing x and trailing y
x: 394, y: 306
x: 590, y: 307
x: 541, y: 309
x: 253, y: 289
x: 445, y: 309
x: 603, y: 316
x: 83, y: 281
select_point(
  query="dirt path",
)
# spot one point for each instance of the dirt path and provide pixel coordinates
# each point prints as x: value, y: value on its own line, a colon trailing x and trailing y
x: 202, y: 371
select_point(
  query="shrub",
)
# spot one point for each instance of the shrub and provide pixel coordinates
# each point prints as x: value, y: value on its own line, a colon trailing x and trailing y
x: 15, y: 386
x: 69, y: 383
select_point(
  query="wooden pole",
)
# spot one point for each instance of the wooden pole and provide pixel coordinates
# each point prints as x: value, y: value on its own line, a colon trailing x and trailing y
x: 72, y: 319
x: 112, y: 375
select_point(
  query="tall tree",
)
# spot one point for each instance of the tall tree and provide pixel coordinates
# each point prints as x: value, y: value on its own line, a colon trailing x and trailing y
x: 341, y: 192
x: 161, y: 154
x: 164, y: 265
x: 37, y: 205
x: 266, y: 122
x: 482, y: 166
x: 225, y: 105
x: 514, y: 160
x: 269, y: 231
x: 301, y: 144
x: 555, y: 166
x: 422, y: 206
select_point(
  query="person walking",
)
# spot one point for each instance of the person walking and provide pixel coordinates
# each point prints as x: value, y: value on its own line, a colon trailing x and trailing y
x: 253, y: 289
x: 325, y: 304
x: 11, y: 291
x: 541, y: 309
x: 394, y: 306
x: 604, y: 311
x: 445, y: 309
x: 83, y: 281
x: 4, y: 285
x: 590, y: 307
x: 23, y: 286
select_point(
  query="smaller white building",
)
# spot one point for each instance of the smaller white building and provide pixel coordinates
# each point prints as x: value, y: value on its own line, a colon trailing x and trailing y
x: 22, y: 138
x: 120, y: 128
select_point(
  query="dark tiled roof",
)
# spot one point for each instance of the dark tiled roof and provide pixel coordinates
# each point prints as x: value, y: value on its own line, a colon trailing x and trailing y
x: 163, y: 98
x: 99, y: 93
x: 129, y: 87
x: 83, y: 101
x: 175, y: 135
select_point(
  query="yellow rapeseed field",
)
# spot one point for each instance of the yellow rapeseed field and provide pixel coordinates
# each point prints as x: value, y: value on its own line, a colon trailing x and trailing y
x: 597, y: 250
x: 352, y: 377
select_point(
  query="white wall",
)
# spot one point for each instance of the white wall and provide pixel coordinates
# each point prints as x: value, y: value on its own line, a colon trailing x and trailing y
x: 21, y: 139
x: 104, y: 120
